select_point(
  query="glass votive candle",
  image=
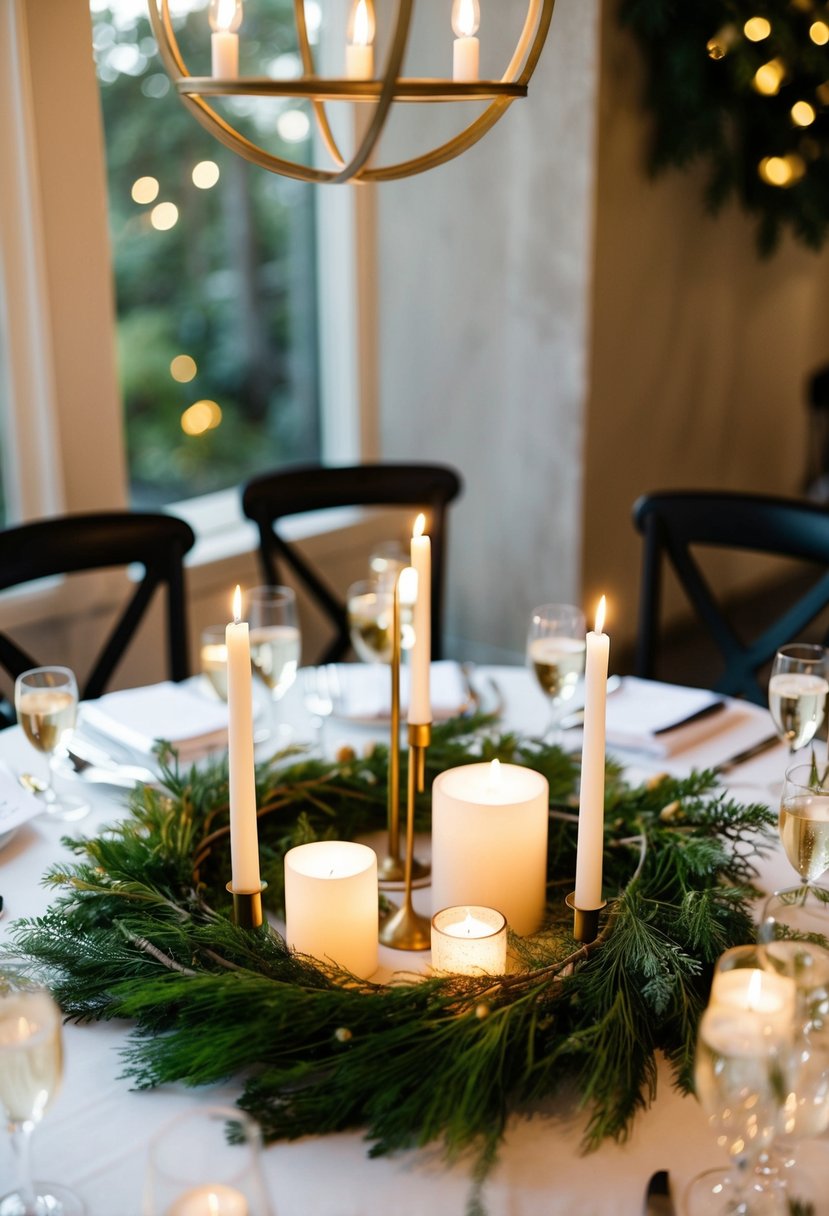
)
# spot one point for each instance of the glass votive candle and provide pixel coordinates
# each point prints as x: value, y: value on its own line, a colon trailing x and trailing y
x: 742, y: 981
x: 469, y: 940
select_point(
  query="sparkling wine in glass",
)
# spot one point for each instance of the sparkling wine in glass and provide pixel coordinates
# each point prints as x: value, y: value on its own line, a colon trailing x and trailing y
x: 803, y: 824
x: 31, y: 1064
x: 370, y: 611
x: 213, y: 659
x: 555, y: 653
x: 275, y: 642
x: 46, y: 703
x: 798, y: 689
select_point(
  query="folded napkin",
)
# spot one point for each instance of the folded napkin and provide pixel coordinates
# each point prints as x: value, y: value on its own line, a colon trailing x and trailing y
x: 365, y: 691
x: 138, y: 717
x: 661, y: 719
x: 16, y: 804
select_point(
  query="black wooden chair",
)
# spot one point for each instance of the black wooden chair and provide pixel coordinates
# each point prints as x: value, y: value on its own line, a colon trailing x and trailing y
x: 673, y: 523
x: 71, y: 543
x: 273, y: 496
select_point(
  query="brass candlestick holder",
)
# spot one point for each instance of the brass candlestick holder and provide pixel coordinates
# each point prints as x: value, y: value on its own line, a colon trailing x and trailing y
x: 405, y: 929
x: 392, y: 868
x: 247, y: 907
x: 585, y: 920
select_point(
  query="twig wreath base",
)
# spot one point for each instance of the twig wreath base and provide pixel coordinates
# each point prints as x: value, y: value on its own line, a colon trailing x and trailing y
x: 141, y: 929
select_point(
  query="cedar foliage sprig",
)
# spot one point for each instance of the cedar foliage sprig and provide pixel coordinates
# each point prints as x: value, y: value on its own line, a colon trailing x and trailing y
x: 140, y: 930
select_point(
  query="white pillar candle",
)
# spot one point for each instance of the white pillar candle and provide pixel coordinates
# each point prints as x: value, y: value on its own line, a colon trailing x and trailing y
x: 331, y: 904
x: 244, y: 837
x: 755, y: 991
x: 590, y: 854
x: 466, y: 18
x: 420, y: 708
x: 214, y: 1199
x: 469, y: 940
x: 738, y: 1034
x: 489, y: 841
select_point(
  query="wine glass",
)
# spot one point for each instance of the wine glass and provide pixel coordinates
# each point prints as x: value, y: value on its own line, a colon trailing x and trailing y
x: 46, y: 703
x: 206, y: 1161
x: 739, y: 1075
x: 386, y: 560
x: 798, y: 688
x: 370, y: 612
x: 213, y: 658
x: 31, y: 1065
x: 555, y: 653
x: 803, y: 823
x: 275, y: 643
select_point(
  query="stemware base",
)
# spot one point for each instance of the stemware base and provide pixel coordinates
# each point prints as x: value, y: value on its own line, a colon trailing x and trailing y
x: 716, y: 1193
x: 65, y: 808
x: 49, y: 1198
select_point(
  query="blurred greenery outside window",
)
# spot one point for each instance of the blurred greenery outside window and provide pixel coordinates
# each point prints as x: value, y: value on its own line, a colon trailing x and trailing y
x: 214, y: 260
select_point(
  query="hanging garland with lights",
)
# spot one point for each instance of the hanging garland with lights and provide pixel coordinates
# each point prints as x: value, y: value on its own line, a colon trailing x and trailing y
x: 744, y: 86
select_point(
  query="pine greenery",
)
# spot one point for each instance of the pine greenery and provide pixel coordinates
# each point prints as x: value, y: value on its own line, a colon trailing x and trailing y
x: 140, y: 930
x: 707, y: 109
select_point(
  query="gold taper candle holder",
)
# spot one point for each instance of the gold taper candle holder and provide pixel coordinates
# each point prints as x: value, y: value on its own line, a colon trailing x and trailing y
x: 405, y: 929
x: 247, y: 907
x: 585, y: 920
x: 392, y: 868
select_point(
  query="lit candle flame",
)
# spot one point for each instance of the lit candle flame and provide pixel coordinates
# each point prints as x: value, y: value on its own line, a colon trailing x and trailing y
x: 419, y: 525
x: 362, y: 23
x: 755, y: 987
x: 600, y: 614
x: 493, y: 780
x: 225, y: 16
x: 237, y: 604
x: 407, y: 585
x: 213, y: 1204
x: 466, y: 18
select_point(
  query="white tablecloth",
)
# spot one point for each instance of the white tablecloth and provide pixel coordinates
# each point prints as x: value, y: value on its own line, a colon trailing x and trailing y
x: 94, y: 1137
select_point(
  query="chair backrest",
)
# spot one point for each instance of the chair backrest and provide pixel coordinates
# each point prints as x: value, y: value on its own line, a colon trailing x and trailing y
x: 72, y: 543
x: 273, y: 496
x: 672, y: 523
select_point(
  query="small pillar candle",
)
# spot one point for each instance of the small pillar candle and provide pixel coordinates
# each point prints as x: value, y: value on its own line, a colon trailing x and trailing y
x: 466, y: 17
x: 470, y: 940
x: 590, y: 854
x: 420, y: 706
x: 489, y: 841
x: 244, y: 836
x: 214, y: 1199
x: 331, y: 904
x: 752, y: 990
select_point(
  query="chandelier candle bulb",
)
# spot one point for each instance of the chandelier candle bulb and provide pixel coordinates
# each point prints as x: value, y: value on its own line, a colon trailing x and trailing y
x: 469, y: 940
x: 359, y: 51
x: 489, y: 841
x: 466, y: 17
x: 420, y: 708
x: 331, y: 904
x: 590, y: 852
x: 244, y: 839
x: 225, y: 17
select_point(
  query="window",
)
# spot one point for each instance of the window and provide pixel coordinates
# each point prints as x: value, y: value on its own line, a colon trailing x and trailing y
x: 215, y: 269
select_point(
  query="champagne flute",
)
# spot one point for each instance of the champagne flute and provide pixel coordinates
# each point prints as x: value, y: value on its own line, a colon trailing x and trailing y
x: 370, y: 608
x: 213, y: 658
x: 31, y: 1064
x: 803, y: 823
x: 275, y: 643
x: 798, y: 688
x: 556, y: 652
x: 46, y: 703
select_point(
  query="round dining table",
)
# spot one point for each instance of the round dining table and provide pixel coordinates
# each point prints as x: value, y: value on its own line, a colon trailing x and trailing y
x: 95, y: 1135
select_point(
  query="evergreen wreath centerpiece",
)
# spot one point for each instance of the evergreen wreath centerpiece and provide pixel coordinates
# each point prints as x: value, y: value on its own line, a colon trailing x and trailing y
x: 743, y: 85
x: 141, y: 930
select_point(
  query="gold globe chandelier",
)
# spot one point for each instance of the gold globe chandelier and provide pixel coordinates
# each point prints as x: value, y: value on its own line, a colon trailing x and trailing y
x: 360, y: 84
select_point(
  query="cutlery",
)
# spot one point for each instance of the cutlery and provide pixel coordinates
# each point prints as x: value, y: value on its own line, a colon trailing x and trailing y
x: 658, y: 1199
x: 748, y: 753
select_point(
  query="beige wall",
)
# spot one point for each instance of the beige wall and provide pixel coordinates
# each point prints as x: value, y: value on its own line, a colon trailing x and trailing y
x: 700, y: 350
